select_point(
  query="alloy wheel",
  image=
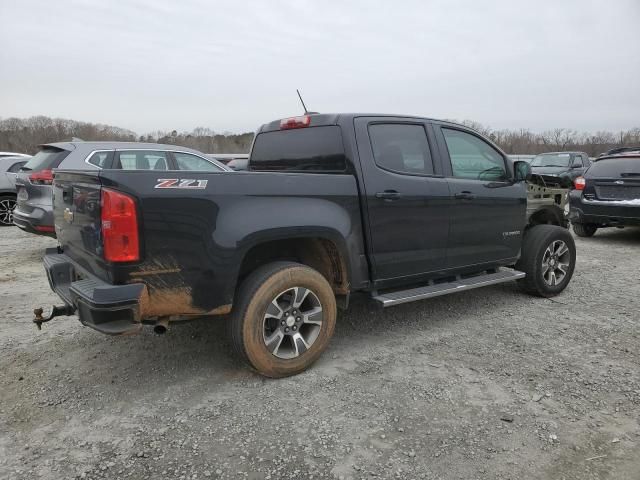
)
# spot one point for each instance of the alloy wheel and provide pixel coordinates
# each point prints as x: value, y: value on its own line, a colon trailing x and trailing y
x: 6, y: 211
x: 555, y: 263
x: 292, y: 322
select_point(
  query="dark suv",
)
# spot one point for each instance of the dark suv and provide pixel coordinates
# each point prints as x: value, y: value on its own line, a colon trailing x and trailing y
x: 34, y: 210
x: 608, y: 195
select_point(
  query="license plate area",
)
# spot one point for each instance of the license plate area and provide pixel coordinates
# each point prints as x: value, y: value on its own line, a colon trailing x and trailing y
x: 618, y: 192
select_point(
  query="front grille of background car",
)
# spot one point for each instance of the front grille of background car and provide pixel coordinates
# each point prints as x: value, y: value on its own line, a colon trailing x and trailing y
x: 618, y: 192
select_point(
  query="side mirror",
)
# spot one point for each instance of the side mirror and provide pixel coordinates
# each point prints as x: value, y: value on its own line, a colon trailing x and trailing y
x: 522, y: 171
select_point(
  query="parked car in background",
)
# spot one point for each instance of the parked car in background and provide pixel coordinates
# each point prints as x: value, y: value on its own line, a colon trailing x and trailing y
x: 14, y: 154
x: 608, y: 195
x: 227, y: 157
x: 9, y: 167
x: 33, y: 212
x: 560, y: 168
x: 239, y: 163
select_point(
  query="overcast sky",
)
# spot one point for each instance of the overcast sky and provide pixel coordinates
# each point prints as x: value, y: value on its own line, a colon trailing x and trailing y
x: 232, y: 65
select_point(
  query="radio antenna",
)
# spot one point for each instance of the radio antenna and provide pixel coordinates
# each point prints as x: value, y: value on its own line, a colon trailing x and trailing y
x: 302, y: 101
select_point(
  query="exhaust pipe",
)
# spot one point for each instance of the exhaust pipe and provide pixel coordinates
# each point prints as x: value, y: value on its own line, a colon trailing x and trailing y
x: 161, y: 326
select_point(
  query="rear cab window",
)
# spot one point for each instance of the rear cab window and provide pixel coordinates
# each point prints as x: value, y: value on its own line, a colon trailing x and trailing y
x: 312, y: 149
x: 46, y: 159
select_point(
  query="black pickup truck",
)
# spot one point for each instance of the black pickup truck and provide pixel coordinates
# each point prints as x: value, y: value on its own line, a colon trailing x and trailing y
x: 399, y: 208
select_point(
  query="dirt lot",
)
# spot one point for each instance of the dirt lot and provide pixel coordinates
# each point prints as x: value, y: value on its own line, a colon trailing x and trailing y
x: 485, y: 384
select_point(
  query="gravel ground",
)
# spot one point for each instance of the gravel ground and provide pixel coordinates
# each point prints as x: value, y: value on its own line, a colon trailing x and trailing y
x: 487, y: 384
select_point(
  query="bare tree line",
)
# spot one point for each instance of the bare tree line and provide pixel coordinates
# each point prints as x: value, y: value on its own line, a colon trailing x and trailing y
x: 203, y: 139
x: 24, y: 135
x: 524, y: 141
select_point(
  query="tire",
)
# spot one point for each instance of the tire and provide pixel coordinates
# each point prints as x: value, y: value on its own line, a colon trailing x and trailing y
x: 259, y: 318
x: 7, y: 204
x: 544, y: 258
x: 585, y: 229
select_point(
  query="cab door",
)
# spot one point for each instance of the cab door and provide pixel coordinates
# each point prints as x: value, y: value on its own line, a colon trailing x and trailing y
x: 488, y: 210
x: 406, y: 195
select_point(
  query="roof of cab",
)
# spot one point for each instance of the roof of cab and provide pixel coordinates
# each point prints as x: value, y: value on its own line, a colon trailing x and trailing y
x: 323, y: 119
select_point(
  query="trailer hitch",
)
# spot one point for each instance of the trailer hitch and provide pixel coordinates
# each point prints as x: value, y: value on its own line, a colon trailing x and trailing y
x: 55, y: 312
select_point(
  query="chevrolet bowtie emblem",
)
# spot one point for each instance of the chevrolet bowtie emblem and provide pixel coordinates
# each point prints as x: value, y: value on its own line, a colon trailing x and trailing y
x: 68, y: 215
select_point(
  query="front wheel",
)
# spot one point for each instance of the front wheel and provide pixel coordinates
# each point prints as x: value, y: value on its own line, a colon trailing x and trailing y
x: 548, y: 258
x: 585, y: 229
x: 283, y: 318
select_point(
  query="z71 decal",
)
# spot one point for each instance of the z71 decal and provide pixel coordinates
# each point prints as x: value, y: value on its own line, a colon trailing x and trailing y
x: 187, y: 183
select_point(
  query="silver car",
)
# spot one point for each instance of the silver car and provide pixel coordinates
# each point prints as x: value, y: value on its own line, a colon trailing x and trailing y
x: 34, y: 212
x: 9, y: 167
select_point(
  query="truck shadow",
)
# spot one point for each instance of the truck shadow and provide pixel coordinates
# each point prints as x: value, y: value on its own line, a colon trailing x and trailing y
x: 198, y: 352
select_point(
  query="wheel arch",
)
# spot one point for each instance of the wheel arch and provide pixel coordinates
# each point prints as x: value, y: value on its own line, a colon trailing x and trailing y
x: 323, y: 249
x: 547, y: 215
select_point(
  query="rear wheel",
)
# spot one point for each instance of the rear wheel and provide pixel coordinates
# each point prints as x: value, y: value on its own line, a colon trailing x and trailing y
x: 548, y: 258
x: 7, y: 204
x: 283, y: 318
x: 585, y: 229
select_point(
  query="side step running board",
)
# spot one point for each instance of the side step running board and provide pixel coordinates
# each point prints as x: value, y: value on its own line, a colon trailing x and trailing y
x: 435, y: 290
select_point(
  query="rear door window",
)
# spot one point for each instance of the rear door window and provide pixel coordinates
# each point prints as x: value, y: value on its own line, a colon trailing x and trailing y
x: 46, y: 159
x: 15, y: 168
x: 187, y: 161
x: 100, y: 159
x: 142, y: 160
x: 473, y: 158
x: 314, y: 149
x: 401, y: 148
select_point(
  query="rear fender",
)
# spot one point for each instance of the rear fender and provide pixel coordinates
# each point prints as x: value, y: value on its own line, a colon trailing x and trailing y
x: 247, y: 224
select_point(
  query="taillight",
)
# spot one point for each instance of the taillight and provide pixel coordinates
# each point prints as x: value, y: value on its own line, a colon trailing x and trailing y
x: 43, y: 177
x: 119, y: 227
x: 45, y: 228
x: 295, y: 122
x: 579, y: 183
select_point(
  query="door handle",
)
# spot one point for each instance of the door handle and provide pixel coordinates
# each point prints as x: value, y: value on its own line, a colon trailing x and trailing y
x: 464, y: 196
x: 389, y: 195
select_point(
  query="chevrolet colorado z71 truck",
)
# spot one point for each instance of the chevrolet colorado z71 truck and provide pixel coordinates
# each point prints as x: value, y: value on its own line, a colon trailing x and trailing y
x: 400, y: 208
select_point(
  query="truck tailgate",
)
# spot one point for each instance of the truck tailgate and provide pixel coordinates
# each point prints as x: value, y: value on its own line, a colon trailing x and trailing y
x: 76, y: 207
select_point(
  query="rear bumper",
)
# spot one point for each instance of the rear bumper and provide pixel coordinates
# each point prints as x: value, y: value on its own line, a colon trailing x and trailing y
x: 110, y: 309
x: 603, y: 213
x: 39, y: 220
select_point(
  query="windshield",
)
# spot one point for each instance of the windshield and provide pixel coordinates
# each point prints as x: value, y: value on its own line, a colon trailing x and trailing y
x: 551, y: 160
x: 46, y: 159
